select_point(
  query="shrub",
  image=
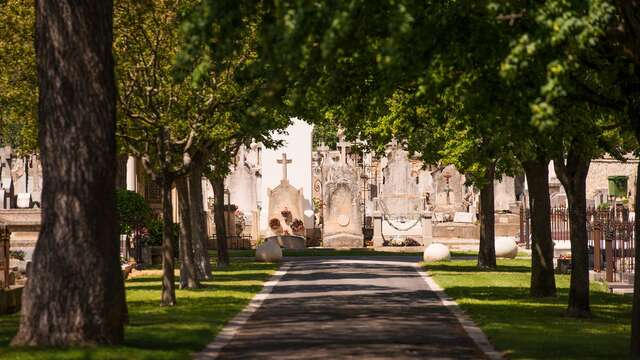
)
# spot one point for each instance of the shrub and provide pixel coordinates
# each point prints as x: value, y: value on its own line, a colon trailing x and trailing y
x: 133, y: 211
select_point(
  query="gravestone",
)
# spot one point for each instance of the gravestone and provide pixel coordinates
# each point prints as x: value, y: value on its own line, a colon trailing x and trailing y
x: 342, y: 215
x: 449, y: 184
x: 464, y: 217
x: 23, y: 201
x: 286, y: 205
x: 403, y: 207
x: 504, y: 193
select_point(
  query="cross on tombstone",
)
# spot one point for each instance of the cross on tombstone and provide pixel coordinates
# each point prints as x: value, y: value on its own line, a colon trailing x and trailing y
x: 323, y: 148
x: 284, y: 161
x: 343, y: 145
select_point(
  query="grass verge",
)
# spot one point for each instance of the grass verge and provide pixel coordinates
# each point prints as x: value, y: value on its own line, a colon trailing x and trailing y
x: 325, y: 252
x: 158, y: 332
x: 527, y: 328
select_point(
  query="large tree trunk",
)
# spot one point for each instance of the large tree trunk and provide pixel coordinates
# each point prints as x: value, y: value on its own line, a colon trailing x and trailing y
x: 168, y: 296
x: 573, y: 176
x: 543, y: 282
x: 221, y: 232
x: 188, y: 277
x: 75, y: 293
x: 635, y: 315
x: 487, y: 253
x: 198, y: 226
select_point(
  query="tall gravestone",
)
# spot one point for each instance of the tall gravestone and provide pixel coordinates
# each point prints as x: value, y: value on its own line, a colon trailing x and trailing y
x: 342, y: 215
x: 285, y: 205
x: 402, y: 209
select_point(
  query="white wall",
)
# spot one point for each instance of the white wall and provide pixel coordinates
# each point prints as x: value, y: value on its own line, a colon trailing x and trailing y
x: 298, y: 147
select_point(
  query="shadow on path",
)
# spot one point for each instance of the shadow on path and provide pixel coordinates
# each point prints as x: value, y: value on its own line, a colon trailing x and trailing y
x: 346, y: 308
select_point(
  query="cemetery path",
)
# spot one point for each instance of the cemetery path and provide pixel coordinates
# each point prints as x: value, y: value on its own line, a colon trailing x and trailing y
x: 369, y: 308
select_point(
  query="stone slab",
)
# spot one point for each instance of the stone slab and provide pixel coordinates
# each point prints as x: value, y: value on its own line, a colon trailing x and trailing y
x: 464, y: 217
x: 343, y: 241
x: 23, y: 201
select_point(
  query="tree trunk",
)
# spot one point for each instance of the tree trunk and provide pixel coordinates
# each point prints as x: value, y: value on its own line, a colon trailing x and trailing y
x: 75, y: 293
x: 487, y: 253
x: 543, y: 282
x: 198, y: 226
x: 188, y: 276
x: 168, y: 296
x: 573, y: 176
x: 221, y: 232
x: 635, y: 315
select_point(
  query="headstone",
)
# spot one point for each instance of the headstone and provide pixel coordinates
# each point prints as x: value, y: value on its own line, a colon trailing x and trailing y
x: 342, y: 213
x: 2, y: 199
x: 505, y: 193
x: 449, y: 184
x: 286, y: 203
x: 464, y: 217
x: 23, y: 201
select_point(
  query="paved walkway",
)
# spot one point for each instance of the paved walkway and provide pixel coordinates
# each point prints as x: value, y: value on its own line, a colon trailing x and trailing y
x: 329, y: 308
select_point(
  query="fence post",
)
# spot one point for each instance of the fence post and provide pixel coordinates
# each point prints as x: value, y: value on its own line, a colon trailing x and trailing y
x: 597, y: 251
x: 5, y: 256
x: 608, y: 244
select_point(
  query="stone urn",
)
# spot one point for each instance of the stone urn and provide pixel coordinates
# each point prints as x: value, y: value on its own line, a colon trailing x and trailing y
x: 269, y: 251
x: 506, y: 247
x: 436, y: 252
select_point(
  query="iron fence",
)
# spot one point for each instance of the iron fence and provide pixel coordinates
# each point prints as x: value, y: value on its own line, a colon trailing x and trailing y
x: 233, y: 242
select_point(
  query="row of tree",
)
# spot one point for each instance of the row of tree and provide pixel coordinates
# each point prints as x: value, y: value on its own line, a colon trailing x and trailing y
x: 493, y: 87
x: 105, y: 80
x: 490, y: 86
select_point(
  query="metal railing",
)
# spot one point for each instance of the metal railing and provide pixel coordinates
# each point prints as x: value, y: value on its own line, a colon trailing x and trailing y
x: 233, y: 242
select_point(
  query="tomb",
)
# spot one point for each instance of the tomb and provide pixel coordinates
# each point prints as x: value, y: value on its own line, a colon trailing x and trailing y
x: 342, y: 214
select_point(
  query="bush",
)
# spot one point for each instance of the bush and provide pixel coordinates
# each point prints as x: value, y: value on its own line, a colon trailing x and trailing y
x: 152, y: 234
x: 133, y: 211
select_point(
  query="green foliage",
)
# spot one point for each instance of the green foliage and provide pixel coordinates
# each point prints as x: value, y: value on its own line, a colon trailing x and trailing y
x: 18, y: 78
x: 133, y: 211
x: 152, y: 233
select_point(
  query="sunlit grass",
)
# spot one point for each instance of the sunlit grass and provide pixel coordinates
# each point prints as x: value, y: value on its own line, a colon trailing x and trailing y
x: 158, y: 332
x: 527, y: 328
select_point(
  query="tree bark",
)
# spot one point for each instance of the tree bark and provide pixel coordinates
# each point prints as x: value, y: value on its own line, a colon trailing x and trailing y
x: 487, y: 253
x: 168, y: 296
x: 198, y: 226
x: 543, y: 282
x: 221, y: 232
x: 75, y: 293
x: 573, y: 176
x: 635, y: 315
x: 188, y: 276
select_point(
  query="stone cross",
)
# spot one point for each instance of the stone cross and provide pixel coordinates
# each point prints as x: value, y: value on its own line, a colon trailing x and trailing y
x: 284, y: 163
x: 343, y: 145
x: 323, y: 148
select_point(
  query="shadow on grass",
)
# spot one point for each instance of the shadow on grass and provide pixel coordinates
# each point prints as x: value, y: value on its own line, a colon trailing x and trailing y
x: 535, y: 328
x: 156, y: 332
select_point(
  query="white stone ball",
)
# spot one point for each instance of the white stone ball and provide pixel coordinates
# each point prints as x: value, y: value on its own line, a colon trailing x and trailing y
x: 506, y: 247
x: 269, y: 251
x: 436, y: 252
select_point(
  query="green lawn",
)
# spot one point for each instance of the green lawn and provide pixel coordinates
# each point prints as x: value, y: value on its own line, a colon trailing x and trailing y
x: 527, y: 328
x: 163, y: 333
x: 326, y: 252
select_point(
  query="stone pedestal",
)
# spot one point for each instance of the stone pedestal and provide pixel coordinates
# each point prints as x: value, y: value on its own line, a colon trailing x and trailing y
x: 343, y: 241
x: 377, y: 230
x: 427, y: 230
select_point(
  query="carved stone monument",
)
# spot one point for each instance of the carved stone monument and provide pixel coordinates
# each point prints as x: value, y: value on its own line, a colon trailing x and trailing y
x: 286, y: 211
x: 402, y: 211
x: 342, y: 215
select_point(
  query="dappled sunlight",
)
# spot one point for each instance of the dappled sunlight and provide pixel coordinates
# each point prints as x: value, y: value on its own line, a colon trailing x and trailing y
x: 156, y: 332
x: 526, y: 327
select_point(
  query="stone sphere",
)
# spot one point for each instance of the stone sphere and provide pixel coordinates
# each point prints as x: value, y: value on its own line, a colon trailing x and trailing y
x: 437, y: 252
x: 506, y: 247
x: 269, y: 251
